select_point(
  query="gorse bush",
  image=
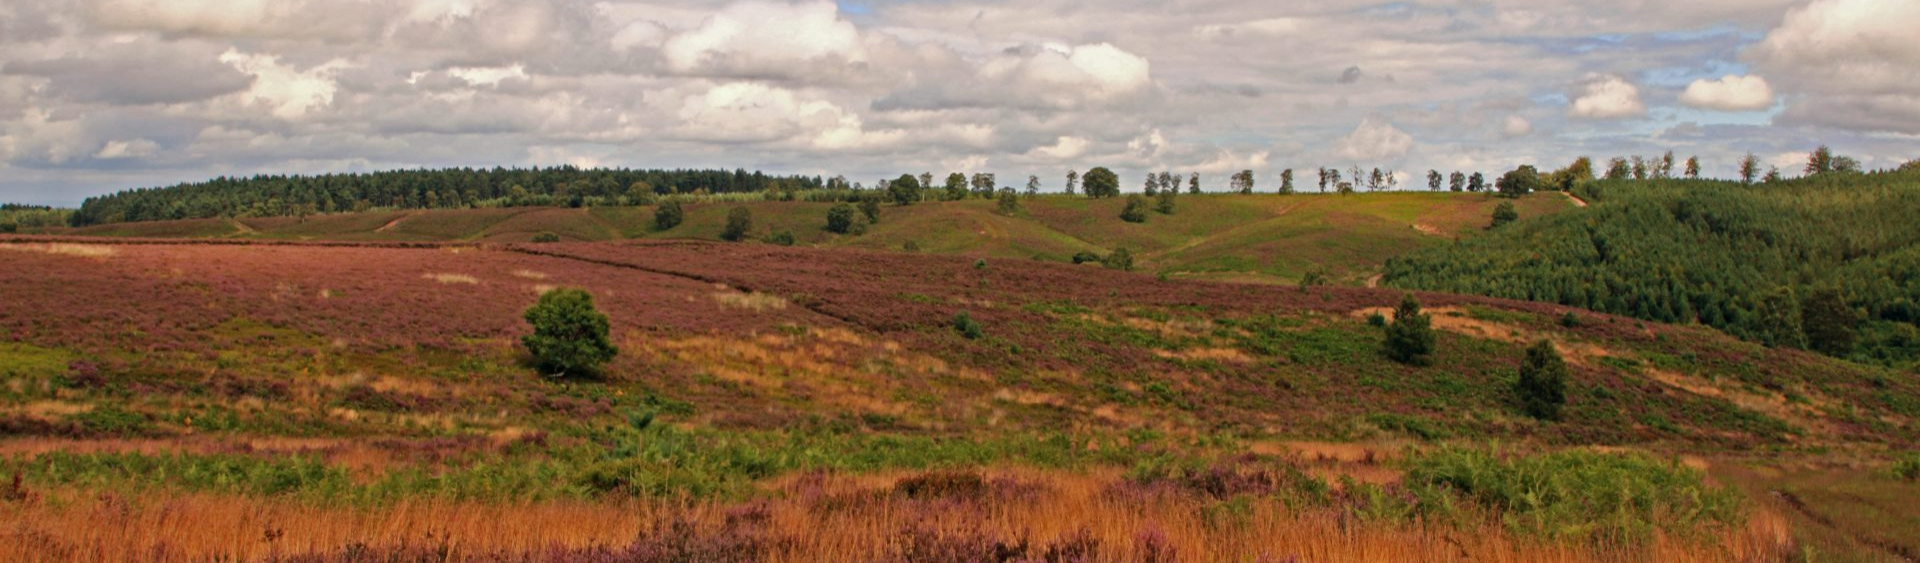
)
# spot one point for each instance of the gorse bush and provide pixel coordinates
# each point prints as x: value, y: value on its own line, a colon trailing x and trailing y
x: 569, y: 335
x: 1503, y: 214
x: 1119, y: 259
x: 546, y: 237
x: 1542, y: 386
x: 1410, y: 337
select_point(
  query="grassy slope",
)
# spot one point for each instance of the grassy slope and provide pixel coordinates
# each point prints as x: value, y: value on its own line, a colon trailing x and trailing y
x: 1259, y: 237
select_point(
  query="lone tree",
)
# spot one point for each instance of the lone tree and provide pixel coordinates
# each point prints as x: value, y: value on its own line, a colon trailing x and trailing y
x: 840, y: 218
x: 870, y: 207
x: 569, y: 335
x: 1008, y: 204
x: 1410, y: 337
x: 1503, y: 214
x: 1136, y: 211
x: 1542, y: 386
x: 1749, y: 168
x: 739, y: 221
x: 668, y: 215
x: 1163, y: 202
x: 1100, y: 182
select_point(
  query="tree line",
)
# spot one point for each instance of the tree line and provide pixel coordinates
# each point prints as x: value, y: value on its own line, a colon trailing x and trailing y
x: 300, y: 195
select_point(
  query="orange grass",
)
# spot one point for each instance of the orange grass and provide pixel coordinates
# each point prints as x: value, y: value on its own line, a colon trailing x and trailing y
x: 817, y: 519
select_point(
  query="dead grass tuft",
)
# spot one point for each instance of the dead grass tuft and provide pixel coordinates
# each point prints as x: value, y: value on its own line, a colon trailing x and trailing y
x: 65, y: 249
x: 756, y: 301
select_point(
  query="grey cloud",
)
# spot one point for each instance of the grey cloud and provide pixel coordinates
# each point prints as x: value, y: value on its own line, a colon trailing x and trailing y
x: 133, y: 74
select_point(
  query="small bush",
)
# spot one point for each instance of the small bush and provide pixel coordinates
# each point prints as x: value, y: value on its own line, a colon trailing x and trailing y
x: 1136, y: 210
x: 1503, y: 214
x: 980, y: 264
x: 739, y: 222
x: 870, y: 207
x: 1410, y: 338
x: 1570, y: 320
x: 1907, y: 468
x: 668, y: 215
x: 569, y: 335
x: 1119, y: 259
x: 782, y: 238
x: 546, y: 237
x: 1086, y: 257
x: 1377, y: 320
x: 1543, y: 382
x: 966, y: 326
x: 910, y: 246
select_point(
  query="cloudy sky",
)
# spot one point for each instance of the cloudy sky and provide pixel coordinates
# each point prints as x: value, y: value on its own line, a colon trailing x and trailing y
x: 102, y: 95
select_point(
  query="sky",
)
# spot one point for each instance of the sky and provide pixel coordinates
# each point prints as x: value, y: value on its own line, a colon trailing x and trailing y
x: 98, y: 96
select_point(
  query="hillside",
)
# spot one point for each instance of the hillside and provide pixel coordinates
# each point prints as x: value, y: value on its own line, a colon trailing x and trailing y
x: 1828, y: 263
x: 351, y: 375
x: 1266, y: 238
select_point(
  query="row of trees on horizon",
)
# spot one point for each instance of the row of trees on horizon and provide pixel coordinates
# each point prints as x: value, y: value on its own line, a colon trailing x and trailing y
x: 458, y: 188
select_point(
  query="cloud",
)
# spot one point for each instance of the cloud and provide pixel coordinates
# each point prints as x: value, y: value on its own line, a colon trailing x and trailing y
x: 1375, y: 140
x: 136, y: 73
x: 1351, y: 75
x: 1516, y: 126
x: 1607, y: 96
x: 765, y: 39
x: 1729, y: 93
x: 1847, y: 64
x: 1051, y: 76
x: 289, y: 93
x: 1063, y: 149
x: 137, y: 148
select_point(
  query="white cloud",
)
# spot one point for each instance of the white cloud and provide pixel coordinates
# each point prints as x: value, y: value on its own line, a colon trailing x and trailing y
x: 1729, y: 93
x: 1064, y: 148
x: 1608, y: 96
x: 758, y: 38
x: 137, y: 148
x: 488, y: 76
x: 1847, y: 63
x: 1516, y: 126
x: 1375, y: 140
x: 287, y: 92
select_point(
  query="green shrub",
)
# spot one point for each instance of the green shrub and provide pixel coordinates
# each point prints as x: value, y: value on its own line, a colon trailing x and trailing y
x: 739, y: 222
x: 1119, y: 259
x: 1907, y: 468
x: 1503, y: 214
x: 870, y: 207
x: 967, y: 327
x: 1570, y: 320
x: 1086, y: 257
x: 668, y: 215
x: 1136, y: 210
x: 1410, y: 338
x: 1582, y: 495
x: 546, y: 237
x: 1007, y: 203
x: 782, y: 238
x: 840, y: 218
x: 569, y: 335
x: 1542, y: 386
x: 1377, y: 320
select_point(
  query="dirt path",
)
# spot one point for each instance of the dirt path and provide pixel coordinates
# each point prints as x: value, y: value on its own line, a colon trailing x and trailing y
x: 394, y: 223
x: 1374, y: 281
x: 1577, y: 202
x: 240, y: 228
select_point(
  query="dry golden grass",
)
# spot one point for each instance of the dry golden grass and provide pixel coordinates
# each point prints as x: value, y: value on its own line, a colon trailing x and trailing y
x: 835, y: 519
x: 452, y: 278
x: 65, y: 249
x: 756, y: 302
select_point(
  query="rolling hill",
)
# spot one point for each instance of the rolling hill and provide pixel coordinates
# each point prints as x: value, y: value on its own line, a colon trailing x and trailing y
x: 1275, y: 239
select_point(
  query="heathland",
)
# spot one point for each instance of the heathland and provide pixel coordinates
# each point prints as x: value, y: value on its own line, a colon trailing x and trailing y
x: 940, y: 384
